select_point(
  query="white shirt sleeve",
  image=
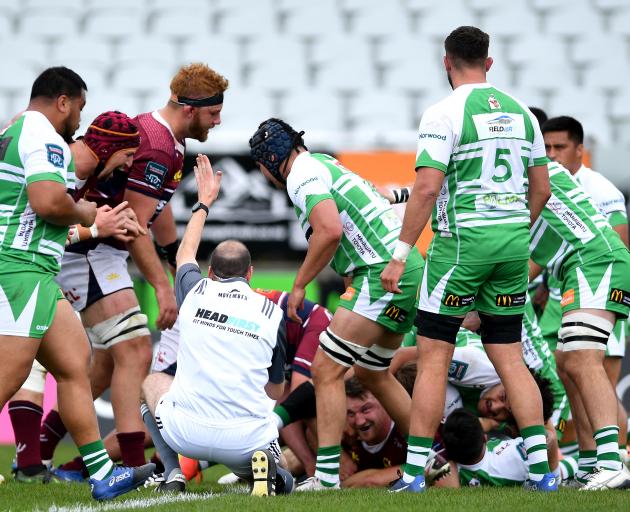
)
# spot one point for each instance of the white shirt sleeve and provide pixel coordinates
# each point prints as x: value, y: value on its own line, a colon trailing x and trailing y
x: 538, y: 154
x: 435, y: 140
x: 306, y: 184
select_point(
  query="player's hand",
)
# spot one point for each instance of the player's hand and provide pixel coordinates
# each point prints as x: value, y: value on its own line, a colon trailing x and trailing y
x: 87, y: 211
x: 208, y: 182
x: 386, y: 193
x: 391, y: 275
x: 168, y: 308
x: 295, y: 303
x: 111, y: 221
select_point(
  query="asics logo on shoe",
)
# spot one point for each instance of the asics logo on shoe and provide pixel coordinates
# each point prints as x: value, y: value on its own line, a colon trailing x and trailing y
x: 551, y: 482
x: 119, y: 478
x: 422, y: 484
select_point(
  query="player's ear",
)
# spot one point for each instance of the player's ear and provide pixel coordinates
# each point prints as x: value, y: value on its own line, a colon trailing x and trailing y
x: 489, y: 62
x: 250, y: 271
x: 63, y: 103
x: 210, y: 273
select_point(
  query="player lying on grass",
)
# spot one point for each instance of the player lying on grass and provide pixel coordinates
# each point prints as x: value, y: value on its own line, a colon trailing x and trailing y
x: 476, y: 460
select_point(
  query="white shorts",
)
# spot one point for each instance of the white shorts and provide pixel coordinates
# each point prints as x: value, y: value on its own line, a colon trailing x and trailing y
x: 166, y: 356
x: 616, y: 346
x: 231, y: 443
x: 87, y: 278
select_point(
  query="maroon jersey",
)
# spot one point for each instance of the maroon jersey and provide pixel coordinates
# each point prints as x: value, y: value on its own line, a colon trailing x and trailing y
x: 302, y: 339
x: 156, y: 172
x: 391, y: 452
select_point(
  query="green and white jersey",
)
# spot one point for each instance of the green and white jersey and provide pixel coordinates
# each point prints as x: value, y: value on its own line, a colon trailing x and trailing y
x: 607, y: 197
x: 30, y: 151
x: 370, y: 225
x: 484, y: 141
x: 570, y: 230
x: 504, y: 464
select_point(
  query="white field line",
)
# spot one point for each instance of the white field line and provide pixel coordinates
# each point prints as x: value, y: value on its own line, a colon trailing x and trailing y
x: 137, y: 503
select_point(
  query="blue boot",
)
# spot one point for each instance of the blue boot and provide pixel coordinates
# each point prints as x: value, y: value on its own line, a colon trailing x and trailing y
x: 548, y: 483
x: 418, y: 485
x: 122, y: 480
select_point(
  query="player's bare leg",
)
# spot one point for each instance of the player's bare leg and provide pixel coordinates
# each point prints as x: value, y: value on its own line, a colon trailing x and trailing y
x: 18, y: 354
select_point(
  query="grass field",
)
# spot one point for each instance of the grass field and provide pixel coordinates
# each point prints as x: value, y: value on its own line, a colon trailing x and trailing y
x: 210, y: 496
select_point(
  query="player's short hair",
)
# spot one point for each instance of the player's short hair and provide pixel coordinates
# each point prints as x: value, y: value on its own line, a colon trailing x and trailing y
x: 406, y: 375
x: 230, y: 258
x: 467, y: 46
x: 198, y: 80
x: 539, y: 114
x: 463, y: 437
x: 354, y: 388
x: 565, y: 124
x: 58, y: 81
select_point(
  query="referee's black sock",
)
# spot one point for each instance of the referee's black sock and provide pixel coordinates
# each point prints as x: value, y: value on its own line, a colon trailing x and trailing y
x: 299, y: 405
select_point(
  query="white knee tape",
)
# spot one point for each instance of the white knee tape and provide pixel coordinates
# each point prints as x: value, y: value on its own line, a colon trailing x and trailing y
x: 341, y: 351
x: 36, y: 380
x: 124, y: 326
x: 377, y: 358
x: 584, y: 331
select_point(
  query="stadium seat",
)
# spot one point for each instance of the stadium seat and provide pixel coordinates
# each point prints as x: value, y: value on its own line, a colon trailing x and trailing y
x: 417, y: 75
x: 343, y: 63
x: 443, y: 17
x: 277, y: 63
x: 221, y: 54
x: 375, y: 17
x: 247, y: 18
x: 530, y: 97
x: 180, y: 25
x: 115, y: 25
x: 601, y: 75
x: 46, y: 23
x: 26, y: 50
x: 508, y: 20
x: 6, y: 25
x: 596, y: 47
x: 620, y: 108
x: 245, y: 108
x: 102, y: 100
x: 620, y: 23
x: 146, y: 49
x: 141, y: 79
x: 310, y: 19
x: 573, y: 21
x: 381, y: 111
x: 84, y: 49
x: 60, y: 5
x: 96, y: 75
x: 531, y: 47
x: 17, y: 75
x: 314, y: 109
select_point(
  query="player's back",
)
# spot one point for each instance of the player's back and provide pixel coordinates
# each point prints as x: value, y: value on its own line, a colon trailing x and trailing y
x: 570, y: 230
x: 484, y: 140
x: 503, y: 464
x: 228, y: 335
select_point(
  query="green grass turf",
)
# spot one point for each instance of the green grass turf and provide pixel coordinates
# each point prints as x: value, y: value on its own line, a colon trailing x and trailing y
x: 76, y: 498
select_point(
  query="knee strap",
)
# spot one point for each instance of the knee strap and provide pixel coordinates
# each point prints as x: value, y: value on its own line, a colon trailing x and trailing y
x: 124, y: 326
x: 438, y: 326
x: 501, y: 328
x: 377, y: 358
x: 584, y: 331
x: 36, y: 380
x: 341, y: 351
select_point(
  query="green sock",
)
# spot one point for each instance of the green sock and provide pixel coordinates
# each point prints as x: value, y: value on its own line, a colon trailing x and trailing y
x: 535, y: 443
x: 417, y: 454
x: 327, y: 465
x: 586, y: 465
x: 95, y: 458
x: 607, y: 440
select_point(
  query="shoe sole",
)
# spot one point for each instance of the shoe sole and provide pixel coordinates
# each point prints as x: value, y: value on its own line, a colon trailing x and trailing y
x: 263, y: 469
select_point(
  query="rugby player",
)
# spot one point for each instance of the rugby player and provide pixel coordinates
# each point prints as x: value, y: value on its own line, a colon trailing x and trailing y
x: 346, y: 220
x: 36, y: 320
x: 481, y: 164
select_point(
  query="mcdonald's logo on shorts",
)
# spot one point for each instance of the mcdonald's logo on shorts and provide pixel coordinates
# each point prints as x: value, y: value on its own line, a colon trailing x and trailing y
x: 458, y: 301
x: 395, y: 313
x: 620, y: 296
x: 510, y: 300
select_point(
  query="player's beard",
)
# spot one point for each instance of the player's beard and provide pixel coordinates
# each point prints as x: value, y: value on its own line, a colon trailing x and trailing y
x: 197, y: 131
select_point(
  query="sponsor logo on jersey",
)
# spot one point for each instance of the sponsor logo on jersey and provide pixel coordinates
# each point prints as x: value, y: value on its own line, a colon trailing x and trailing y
x: 348, y: 294
x: 458, y: 301
x: 562, y: 424
x: 232, y: 294
x: 112, y: 276
x: 493, y: 102
x: 178, y: 176
x: 457, y: 370
x: 213, y: 316
x: 501, y: 124
x: 510, y: 299
x: 41, y: 327
x: 395, y: 313
x: 620, y: 296
x: 154, y: 174
x: 310, y: 180
x: 432, y: 136
x: 568, y: 297
x: 54, y: 154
